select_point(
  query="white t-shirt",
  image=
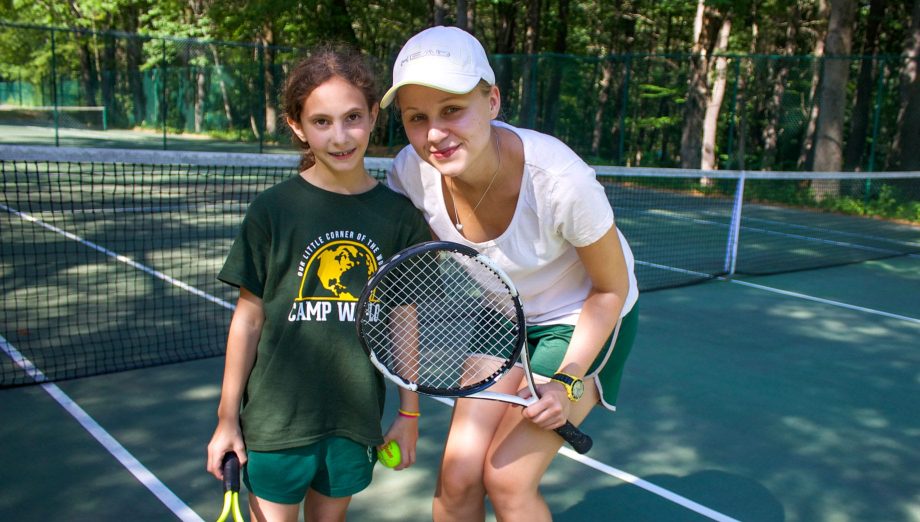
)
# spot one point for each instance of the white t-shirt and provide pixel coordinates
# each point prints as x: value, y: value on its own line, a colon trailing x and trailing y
x: 561, y: 206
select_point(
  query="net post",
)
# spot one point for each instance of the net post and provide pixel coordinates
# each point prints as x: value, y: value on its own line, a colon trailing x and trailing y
x: 734, y: 229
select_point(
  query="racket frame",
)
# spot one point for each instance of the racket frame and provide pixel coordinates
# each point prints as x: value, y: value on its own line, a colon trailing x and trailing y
x: 580, y: 441
x: 478, y: 390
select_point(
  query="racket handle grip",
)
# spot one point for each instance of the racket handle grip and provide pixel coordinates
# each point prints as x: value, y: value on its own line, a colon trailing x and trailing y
x: 231, y: 469
x: 576, y: 438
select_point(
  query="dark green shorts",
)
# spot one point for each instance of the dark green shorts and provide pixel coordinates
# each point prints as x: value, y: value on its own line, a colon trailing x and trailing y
x: 547, y: 346
x: 335, y: 467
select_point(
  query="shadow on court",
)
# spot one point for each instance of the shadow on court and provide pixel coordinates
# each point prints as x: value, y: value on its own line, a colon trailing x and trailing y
x: 757, y: 405
x: 748, y: 499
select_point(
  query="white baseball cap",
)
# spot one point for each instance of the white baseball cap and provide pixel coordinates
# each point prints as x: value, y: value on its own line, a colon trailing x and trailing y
x: 445, y: 58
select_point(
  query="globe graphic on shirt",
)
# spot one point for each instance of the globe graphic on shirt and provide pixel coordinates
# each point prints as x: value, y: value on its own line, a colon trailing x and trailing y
x: 341, y: 269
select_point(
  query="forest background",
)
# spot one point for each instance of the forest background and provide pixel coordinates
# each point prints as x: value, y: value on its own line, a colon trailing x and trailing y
x: 824, y: 85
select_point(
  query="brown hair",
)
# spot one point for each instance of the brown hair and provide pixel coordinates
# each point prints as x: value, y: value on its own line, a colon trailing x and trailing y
x: 322, y: 63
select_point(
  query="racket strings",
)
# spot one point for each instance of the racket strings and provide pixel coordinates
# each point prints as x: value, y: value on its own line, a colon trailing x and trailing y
x: 442, y: 320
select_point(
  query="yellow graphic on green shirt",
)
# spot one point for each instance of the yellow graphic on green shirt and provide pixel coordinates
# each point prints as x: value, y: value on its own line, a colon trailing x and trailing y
x: 341, y: 268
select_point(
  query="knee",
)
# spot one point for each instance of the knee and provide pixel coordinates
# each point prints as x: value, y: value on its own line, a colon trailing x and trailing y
x: 503, y: 485
x: 458, y: 482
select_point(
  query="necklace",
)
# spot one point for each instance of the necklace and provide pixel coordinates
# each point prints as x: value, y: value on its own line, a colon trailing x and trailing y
x: 498, y: 146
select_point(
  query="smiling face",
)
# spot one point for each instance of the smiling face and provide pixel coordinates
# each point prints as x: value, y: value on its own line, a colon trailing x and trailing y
x: 450, y: 131
x: 336, y: 122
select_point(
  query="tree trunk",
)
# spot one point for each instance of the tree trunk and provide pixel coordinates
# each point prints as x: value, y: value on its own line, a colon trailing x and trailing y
x: 108, y: 77
x: 697, y: 92
x: 529, y: 96
x: 748, y: 67
x: 87, y: 75
x: 859, y: 120
x: 463, y: 21
x: 505, y: 28
x: 438, y: 12
x: 200, y: 93
x: 805, y: 153
x: 714, y: 107
x: 271, y: 105
x: 833, y: 92
x: 254, y: 86
x: 555, y: 80
x: 774, y: 109
x: 336, y: 22
x: 222, y: 84
x: 135, y: 53
x: 602, y: 97
x: 907, y: 142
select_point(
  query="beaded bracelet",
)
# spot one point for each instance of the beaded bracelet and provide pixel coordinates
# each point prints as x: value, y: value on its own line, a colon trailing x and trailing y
x: 409, y: 414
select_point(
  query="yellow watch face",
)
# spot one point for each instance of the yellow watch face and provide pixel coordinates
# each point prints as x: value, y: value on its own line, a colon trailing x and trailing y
x: 574, y: 386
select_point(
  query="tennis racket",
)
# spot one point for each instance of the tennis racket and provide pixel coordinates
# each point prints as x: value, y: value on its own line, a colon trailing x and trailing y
x: 231, y: 468
x: 441, y: 319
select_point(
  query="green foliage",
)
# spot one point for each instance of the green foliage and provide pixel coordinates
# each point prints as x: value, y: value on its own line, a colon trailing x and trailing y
x: 617, y: 97
x: 883, y: 200
x: 889, y: 203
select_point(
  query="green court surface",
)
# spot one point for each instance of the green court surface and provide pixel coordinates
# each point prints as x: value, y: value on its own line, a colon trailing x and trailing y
x: 778, y: 398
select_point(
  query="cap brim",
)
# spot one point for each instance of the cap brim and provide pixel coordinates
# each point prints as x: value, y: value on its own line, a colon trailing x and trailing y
x: 454, y: 84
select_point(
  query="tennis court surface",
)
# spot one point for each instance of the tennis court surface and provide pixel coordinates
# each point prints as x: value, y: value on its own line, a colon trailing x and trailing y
x: 783, y: 387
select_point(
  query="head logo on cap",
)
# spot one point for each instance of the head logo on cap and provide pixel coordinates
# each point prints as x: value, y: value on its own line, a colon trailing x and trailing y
x: 422, y: 54
x: 444, y: 58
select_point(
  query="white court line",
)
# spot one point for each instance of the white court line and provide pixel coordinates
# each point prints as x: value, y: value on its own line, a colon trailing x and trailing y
x: 626, y: 477
x: 646, y: 485
x: 788, y: 293
x: 134, y: 466
x: 634, y: 480
x: 115, y: 255
x: 748, y: 228
x: 827, y: 230
x: 822, y: 300
x: 604, y: 468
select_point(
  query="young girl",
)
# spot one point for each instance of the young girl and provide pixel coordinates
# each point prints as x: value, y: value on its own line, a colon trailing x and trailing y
x: 301, y: 404
x: 527, y: 201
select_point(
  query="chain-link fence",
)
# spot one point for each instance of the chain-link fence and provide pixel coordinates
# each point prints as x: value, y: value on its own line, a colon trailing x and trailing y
x: 82, y: 87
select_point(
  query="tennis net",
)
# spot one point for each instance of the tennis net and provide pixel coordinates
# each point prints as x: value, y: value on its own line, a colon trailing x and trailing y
x: 108, y: 258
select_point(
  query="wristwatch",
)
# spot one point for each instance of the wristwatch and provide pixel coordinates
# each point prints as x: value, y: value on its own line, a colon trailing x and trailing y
x: 574, y: 386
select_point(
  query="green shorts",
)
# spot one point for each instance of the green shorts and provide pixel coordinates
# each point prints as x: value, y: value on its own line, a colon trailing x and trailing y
x: 335, y: 467
x: 547, y: 346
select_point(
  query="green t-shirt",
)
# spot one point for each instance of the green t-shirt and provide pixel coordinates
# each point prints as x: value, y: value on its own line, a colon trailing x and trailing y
x: 307, y: 253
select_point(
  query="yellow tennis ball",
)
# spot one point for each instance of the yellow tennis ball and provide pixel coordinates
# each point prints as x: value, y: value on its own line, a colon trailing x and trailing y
x: 390, y: 456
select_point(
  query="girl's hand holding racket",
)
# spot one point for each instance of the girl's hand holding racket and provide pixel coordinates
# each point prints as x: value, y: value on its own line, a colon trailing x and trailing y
x: 231, y: 483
